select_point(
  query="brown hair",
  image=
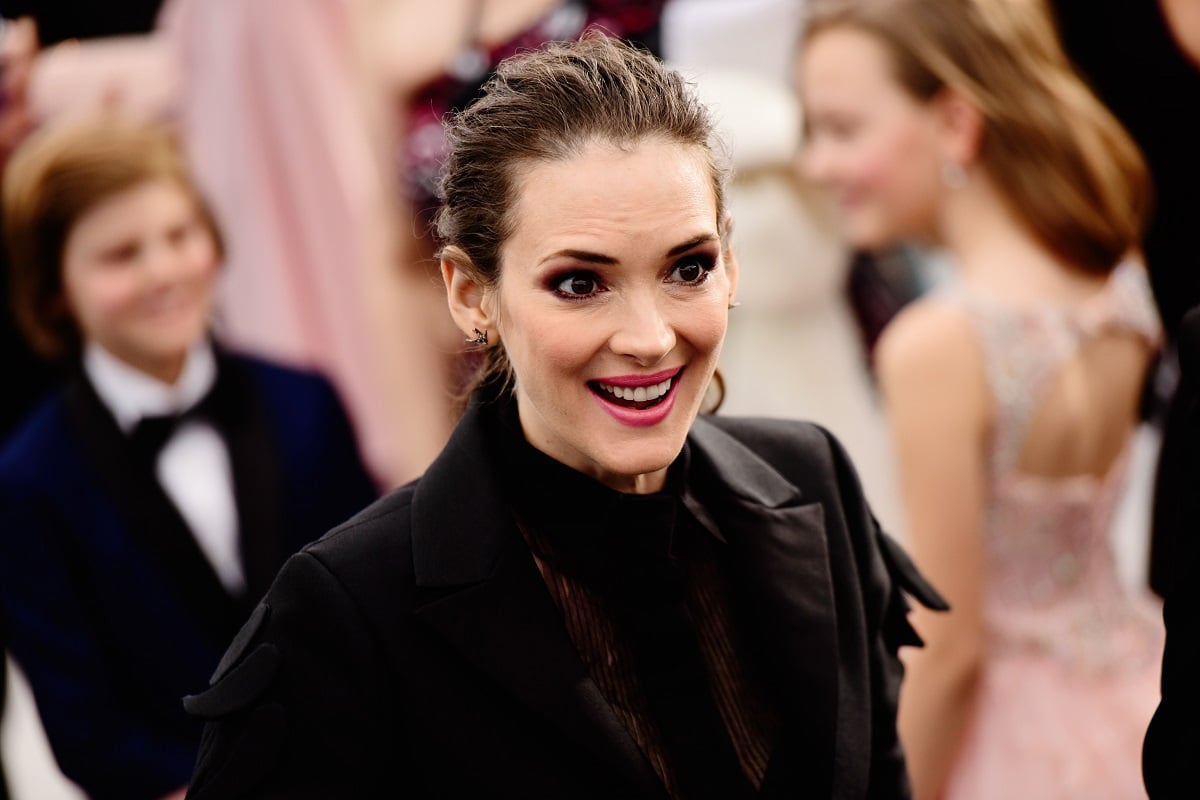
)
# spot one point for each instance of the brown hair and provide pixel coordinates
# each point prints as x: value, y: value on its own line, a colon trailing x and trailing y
x: 55, y: 177
x: 548, y: 105
x: 1065, y: 165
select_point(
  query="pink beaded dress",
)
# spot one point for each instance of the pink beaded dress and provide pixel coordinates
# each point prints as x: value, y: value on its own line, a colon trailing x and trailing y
x: 1073, y: 656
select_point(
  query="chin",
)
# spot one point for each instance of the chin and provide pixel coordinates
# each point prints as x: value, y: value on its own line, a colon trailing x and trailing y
x: 863, y: 237
x: 643, y: 458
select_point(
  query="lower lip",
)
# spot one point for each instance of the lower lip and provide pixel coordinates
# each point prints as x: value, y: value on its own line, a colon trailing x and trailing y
x: 641, y: 417
x: 849, y: 202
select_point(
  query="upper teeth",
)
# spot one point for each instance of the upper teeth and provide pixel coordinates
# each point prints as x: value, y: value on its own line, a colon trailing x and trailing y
x: 640, y: 393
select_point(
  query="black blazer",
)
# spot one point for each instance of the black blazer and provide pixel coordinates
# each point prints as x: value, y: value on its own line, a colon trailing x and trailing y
x: 415, y: 650
x: 1173, y: 738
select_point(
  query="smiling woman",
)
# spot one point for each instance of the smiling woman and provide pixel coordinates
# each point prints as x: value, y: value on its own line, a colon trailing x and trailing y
x: 608, y: 294
x: 594, y: 591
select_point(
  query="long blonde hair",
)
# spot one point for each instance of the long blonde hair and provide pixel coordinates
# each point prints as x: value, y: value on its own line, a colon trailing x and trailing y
x: 1065, y: 165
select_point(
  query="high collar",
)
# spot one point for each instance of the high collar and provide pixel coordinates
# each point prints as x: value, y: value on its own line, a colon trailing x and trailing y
x: 462, y: 491
x: 584, y: 527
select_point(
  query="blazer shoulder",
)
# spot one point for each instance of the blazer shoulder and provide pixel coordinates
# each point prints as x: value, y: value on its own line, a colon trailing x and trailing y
x: 787, y: 445
x: 371, y: 552
x: 39, y: 442
x: 810, y: 455
x: 355, y: 578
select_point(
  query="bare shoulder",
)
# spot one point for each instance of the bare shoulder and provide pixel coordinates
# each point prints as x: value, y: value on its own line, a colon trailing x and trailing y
x: 930, y: 356
x: 930, y: 338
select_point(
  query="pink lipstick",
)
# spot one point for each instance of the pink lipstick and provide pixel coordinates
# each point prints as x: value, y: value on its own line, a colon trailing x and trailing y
x: 638, y: 400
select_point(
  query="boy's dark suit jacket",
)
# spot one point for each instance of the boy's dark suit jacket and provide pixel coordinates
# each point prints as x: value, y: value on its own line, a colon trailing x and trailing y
x: 110, y: 607
x: 415, y: 651
x: 1173, y: 739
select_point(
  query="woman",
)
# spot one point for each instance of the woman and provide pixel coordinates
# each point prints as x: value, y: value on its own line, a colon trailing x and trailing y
x: 591, y: 593
x: 145, y: 507
x: 1013, y: 395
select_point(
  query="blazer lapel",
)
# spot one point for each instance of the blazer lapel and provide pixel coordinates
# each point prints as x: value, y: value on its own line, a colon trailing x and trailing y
x: 493, y: 606
x: 256, y: 479
x: 783, y: 586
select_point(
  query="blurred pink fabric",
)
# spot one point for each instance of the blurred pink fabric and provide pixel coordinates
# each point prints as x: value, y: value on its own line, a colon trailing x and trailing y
x: 1071, y: 675
x: 272, y: 118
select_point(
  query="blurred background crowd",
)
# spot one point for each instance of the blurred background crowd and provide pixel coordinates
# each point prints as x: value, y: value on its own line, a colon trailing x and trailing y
x: 314, y: 132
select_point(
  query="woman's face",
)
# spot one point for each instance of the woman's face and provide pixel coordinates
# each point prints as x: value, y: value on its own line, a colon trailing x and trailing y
x: 873, y: 145
x: 612, y: 305
x: 138, y: 272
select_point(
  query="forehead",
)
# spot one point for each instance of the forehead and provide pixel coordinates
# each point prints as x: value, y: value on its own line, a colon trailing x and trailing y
x: 845, y: 65
x: 611, y: 197
x: 133, y: 205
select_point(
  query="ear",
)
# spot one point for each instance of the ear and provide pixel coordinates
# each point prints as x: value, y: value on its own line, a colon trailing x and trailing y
x: 961, y: 126
x: 469, y: 300
x: 730, y: 259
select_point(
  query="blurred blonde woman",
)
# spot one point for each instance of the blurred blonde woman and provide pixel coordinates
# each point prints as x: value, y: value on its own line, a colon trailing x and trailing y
x: 1013, y: 394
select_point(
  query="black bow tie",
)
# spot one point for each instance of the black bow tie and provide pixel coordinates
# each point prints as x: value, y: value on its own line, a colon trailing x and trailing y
x: 151, y: 433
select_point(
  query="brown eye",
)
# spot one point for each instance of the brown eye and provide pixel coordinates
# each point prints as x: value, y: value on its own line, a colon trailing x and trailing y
x: 693, y: 269
x: 577, y: 285
x: 121, y: 254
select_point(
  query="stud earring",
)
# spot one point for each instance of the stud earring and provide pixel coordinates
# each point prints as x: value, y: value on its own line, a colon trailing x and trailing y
x: 480, y: 337
x: 953, y: 175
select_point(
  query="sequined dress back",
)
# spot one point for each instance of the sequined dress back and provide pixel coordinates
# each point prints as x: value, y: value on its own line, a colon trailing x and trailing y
x: 1073, y: 655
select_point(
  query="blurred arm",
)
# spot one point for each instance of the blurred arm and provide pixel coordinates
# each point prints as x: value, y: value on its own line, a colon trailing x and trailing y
x: 936, y: 401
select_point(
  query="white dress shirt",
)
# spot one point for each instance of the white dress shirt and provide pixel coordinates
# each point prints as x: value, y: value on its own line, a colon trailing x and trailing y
x: 193, y: 466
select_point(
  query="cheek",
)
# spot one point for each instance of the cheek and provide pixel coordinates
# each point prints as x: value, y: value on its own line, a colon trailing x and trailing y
x: 887, y: 158
x: 563, y: 347
x: 98, y: 298
x: 201, y: 256
x: 910, y: 167
x: 543, y: 347
x: 883, y: 166
x: 705, y: 327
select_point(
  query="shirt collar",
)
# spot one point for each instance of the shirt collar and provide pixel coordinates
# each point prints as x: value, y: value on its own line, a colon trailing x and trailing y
x: 131, y: 394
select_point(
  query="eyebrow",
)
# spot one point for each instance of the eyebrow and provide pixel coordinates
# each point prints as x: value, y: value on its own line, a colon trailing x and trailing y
x: 599, y: 258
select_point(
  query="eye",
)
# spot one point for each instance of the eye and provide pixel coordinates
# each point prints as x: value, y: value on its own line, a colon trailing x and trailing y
x: 836, y: 127
x: 180, y: 233
x: 576, y: 285
x: 694, y: 268
x: 121, y: 254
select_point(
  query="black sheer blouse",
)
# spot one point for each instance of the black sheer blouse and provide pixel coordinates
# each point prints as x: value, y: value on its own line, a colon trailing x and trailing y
x: 628, y: 572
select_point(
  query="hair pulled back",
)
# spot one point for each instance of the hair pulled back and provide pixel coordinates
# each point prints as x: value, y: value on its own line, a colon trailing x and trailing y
x: 549, y: 105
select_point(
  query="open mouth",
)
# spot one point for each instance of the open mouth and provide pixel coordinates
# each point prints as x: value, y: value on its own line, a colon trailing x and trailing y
x: 635, y: 397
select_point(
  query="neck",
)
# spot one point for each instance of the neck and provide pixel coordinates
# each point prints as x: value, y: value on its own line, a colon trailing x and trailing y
x: 166, y: 370
x: 649, y: 483
x: 996, y: 252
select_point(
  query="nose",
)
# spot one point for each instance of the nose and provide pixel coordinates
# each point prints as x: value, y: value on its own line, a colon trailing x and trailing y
x: 643, y: 331
x: 813, y: 161
x: 159, y: 262
x: 164, y: 263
